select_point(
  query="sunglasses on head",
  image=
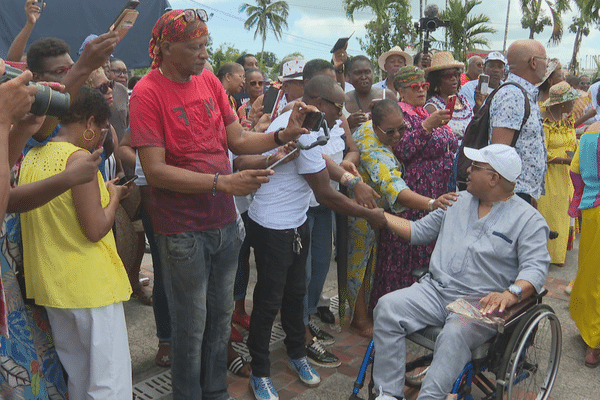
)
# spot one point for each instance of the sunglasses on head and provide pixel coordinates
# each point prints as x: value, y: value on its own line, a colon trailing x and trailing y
x: 105, y: 86
x: 417, y: 86
x: 189, y: 15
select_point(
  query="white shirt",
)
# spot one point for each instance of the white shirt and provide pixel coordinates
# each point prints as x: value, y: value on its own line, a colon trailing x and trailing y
x: 334, y: 149
x: 282, y: 202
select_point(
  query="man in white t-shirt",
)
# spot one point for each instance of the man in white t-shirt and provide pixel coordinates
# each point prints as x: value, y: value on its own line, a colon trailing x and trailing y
x: 278, y: 231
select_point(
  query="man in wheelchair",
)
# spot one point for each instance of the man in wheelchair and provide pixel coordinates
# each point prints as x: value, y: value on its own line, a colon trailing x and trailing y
x: 490, y: 243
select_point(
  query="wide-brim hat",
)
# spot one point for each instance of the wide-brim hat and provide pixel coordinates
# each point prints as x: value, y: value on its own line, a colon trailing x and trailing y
x: 552, y: 65
x: 292, y: 70
x: 394, y: 51
x: 443, y: 60
x: 561, y: 93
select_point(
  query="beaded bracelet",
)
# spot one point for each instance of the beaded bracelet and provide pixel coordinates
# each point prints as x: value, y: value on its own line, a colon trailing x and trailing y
x: 214, y: 192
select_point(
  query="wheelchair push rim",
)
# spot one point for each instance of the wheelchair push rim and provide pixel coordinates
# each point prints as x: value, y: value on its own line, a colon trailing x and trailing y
x: 530, y: 366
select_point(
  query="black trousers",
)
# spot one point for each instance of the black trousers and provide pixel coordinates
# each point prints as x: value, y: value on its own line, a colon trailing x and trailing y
x: 281, y: 284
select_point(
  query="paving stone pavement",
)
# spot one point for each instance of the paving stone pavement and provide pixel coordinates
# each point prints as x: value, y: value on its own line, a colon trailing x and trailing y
x: 574, y: 381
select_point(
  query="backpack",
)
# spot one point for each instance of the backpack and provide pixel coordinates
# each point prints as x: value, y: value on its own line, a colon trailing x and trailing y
x: 477, y: 134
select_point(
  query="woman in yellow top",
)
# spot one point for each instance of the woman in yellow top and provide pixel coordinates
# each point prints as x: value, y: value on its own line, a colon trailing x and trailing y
x: 559, y: 134
x: 71, y: 263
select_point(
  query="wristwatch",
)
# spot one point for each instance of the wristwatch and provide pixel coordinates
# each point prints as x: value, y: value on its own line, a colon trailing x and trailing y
x: 517, y: 291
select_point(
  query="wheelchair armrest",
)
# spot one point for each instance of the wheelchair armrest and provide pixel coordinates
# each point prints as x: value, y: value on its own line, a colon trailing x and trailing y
x: 419, y: 273
x: 511, y: 315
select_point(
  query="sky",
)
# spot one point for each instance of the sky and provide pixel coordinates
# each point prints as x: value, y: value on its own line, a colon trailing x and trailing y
x: 315, y: 25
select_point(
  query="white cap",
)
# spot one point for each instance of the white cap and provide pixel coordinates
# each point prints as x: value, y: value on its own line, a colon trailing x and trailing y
x: 495, y: 56
x: 504, y: 159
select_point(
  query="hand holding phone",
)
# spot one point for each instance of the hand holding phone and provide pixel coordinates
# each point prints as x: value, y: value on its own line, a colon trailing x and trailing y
x: 313, y: 121
x: 483, y: 84
x: 450, y: 104
x: 126, y: 180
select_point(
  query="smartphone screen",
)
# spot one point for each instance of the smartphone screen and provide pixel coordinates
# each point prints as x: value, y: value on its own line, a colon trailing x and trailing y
x: 126, y: 180
x: 40, y: 4
x: 269, y: 99
x: 484, y: 81
x: 450, y: 104
x: 313, y: 121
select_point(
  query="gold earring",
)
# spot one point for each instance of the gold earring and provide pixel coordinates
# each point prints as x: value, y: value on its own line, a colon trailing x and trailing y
x: 90, y: 138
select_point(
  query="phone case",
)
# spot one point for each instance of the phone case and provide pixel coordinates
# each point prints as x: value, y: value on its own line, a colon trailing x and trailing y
x: 125, y: 23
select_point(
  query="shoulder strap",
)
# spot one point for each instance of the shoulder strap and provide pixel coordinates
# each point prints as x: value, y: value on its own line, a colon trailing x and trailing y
x: 527, y: 108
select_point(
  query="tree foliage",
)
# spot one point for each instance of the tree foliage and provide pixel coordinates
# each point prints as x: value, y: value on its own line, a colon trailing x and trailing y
x: 535, y: 18
x: 580, y: 27
x: 265, y: 16
x: 462, y: 36
x: 226, y: 53
x: 392, y: 25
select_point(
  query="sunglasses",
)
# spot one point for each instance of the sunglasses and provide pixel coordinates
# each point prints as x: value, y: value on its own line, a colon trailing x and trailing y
x: 119, y: 72
x: 59, y: 71
x: 189, y: 15
x: 257, y: 83
x: 417, y: 86
x: 391, y: 132
x: 473, y: 165
x: 105, y: 86
x: 339, y: 106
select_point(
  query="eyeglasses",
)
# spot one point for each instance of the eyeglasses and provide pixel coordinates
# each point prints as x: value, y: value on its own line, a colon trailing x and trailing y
x: 417, y: 86
x: 450, y: 75
x: 119, y: 72
x: 473, y: 165
x: 257, y: 83
x: 189, y: 15
x: 59, y: 71
x: 339, y: 106
x: 391, y: 132
x: 105, y: 86
x: 585, y: 83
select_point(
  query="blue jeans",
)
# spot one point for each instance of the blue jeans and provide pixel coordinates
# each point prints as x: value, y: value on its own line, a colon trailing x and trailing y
x: 199, y: 271
x: 159, y: 298
x: 320, y: 223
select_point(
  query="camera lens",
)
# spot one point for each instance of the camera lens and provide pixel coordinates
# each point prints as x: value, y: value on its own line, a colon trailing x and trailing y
x: 50, y: 102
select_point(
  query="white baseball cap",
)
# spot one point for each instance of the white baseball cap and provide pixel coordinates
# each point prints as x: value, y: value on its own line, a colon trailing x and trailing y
x: 495, y: 56
x: 504, y: 159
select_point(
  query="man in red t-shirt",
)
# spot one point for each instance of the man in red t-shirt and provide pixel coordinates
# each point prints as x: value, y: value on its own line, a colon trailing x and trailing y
x: 182, y: 127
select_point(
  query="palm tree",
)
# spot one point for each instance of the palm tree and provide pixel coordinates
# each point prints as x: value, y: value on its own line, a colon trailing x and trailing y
x: 465, y: 32
x: 391, y: 26
x: 265, y: 16
x: 535, y: 18
x: 580, y: 27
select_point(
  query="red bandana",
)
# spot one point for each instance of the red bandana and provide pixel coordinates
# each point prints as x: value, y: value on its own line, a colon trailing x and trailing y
x: 171, y: 27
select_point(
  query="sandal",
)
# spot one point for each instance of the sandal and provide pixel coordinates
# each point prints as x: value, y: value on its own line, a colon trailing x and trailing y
x: 163, y: 355
x: 237, y: 365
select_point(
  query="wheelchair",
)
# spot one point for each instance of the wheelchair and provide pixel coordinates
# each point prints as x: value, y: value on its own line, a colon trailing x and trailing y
x: 520, y: 362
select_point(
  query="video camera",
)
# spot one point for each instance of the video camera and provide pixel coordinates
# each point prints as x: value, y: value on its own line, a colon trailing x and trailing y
x: 47, y: 101
x: 430, y: 22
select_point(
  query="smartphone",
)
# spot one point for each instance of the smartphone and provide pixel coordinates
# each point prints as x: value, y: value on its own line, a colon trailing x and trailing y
x: 450, y: 104
x: 284, y: 158
x: 484, y: 81
x: 126, y: 180
x: 269, y: 99
x: 40, y: 4
x: 125, y: 19
x: 313, y: 121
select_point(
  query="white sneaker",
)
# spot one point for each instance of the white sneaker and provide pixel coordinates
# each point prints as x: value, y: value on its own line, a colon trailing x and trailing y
x: 383, y: 396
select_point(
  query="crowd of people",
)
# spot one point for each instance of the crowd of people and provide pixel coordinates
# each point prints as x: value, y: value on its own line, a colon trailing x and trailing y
x: 193, y: 162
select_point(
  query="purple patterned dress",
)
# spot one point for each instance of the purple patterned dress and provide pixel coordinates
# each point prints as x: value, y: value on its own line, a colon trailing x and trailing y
x: 428, y: 162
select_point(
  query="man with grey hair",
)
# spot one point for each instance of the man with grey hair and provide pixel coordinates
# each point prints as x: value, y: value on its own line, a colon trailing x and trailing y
x: 502, y: 260
x: 475, y: 67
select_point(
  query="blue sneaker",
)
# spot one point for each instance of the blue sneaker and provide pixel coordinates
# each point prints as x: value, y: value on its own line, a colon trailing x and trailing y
x: 305, y: 371
x: 263, y: 388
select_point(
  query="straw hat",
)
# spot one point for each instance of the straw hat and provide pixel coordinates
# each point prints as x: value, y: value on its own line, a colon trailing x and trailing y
x: 394, y: 51
x: 443, y: 60
x: 561, y: 93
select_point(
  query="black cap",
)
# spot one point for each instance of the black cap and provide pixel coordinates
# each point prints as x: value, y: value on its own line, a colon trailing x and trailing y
x: 341, y: 42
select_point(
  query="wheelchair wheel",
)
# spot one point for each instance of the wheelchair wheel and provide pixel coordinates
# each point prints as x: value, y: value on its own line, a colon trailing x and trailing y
x: 530, y: 363
x: 418, y: 360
